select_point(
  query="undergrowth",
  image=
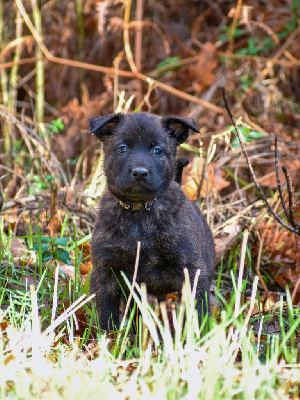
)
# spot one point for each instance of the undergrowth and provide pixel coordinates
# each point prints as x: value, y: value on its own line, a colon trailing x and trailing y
x: 51, y: 344
x: 157, y: 354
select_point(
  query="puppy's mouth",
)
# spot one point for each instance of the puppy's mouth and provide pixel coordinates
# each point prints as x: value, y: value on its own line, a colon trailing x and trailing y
x: 136, y: 192
x: 139, y: 192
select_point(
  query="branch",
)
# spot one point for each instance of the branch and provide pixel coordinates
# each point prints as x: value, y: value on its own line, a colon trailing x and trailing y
x: 278, y: 180
x: 135, y: 74
x: 1, y: 200
x: 296, y: 229
x: 291, y: 203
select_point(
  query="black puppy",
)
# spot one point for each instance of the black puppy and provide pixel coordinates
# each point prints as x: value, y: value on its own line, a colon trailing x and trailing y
x: 143, y: 202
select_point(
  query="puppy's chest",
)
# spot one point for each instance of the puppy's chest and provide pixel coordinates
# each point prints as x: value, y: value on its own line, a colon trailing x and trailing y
x: 149, y: 231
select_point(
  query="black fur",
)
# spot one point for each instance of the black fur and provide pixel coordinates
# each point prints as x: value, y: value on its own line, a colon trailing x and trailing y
x: 180, y: 164
x: 140, y: 167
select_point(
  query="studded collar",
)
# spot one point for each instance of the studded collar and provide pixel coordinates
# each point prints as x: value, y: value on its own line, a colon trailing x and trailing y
x: 137, y: 205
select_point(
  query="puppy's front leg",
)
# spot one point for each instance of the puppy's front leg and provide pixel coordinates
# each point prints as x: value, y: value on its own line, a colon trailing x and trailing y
x: 108, y: 296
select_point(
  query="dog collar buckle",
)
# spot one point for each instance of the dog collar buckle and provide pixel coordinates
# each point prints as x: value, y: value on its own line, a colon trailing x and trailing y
x: 148, y: 205
x: 137, y: 206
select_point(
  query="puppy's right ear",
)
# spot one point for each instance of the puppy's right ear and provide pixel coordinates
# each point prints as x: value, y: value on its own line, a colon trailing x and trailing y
x: 178, y: 127
x: 104, y: 125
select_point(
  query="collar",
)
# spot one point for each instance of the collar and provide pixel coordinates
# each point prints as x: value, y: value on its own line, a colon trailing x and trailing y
x: 137, y: 205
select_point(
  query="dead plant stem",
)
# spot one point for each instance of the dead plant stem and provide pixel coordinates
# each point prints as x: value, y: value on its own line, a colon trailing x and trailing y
x: 108, y: 70
x: 267, y: 204
x: 279, y: 186
x: 234, y: 24
x: 40, y: 73
x: 241, y: 271
x: 138, y: 49
x: 126, y: 36
x: 137, y: 259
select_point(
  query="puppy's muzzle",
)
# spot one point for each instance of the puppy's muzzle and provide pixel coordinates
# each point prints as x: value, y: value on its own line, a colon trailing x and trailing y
x: 140, y: 173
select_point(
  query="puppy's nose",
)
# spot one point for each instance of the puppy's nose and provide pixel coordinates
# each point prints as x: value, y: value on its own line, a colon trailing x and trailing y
x: 140, y: 173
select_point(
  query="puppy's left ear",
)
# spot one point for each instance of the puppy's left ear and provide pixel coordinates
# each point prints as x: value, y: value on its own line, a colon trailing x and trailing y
x: 105, y: 125
x: 179, y: 127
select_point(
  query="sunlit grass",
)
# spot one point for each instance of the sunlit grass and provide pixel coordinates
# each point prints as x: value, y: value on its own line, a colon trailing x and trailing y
x: 41, y: 357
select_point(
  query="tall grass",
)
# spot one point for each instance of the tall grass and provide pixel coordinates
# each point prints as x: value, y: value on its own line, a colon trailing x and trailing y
x: 40, y: 73
x: 41, y: 357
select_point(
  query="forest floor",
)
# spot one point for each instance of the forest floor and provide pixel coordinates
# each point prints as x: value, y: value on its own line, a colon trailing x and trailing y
x: 62, y: 62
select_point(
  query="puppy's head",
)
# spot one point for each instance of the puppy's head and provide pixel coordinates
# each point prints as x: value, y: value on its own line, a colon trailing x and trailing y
x: 140, y: 151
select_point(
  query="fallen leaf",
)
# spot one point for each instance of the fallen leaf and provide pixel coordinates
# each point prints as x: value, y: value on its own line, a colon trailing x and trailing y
x: 222, y: 244
x: 191, y: 178
x: 293, y: 167
x: 69, y: 270
x: 84, y: 268
x: 17, y: 248
x: 202, y: 72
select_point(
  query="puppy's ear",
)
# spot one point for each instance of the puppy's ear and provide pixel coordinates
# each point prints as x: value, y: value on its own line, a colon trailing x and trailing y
x: 179, y: 127
x: 104, y: 125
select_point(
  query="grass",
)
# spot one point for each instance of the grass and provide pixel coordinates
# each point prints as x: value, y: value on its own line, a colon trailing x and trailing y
x: 43, y: 356
x: 51, y: 345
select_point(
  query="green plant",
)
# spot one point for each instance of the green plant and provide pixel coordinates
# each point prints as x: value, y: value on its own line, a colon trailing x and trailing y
x: 55, y: 126
x: 226, y: 32
x: 248, y: 136
x: 39, y: 183
x: 53, y: 248
x: 246, y: 81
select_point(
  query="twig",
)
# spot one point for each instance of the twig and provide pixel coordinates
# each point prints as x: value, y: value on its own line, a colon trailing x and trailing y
x: 1, y: 200
x: 33, y: 137
x: 108, y: 70
x: 294, y: 229
x: 234, y: 23
x: 70, y: 63
x: 128, y: 74
x: 290, y: 192
x: 278, y: 179
x: 271, y: 61
x: 282, y: 49
x: 289, y: 40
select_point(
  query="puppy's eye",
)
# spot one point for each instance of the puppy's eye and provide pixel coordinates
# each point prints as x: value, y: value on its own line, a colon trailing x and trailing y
x: 158, y: 151
x: 122, y: 148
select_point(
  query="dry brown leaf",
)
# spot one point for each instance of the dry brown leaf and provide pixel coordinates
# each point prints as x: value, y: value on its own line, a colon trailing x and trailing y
x: 222, y: 244
x: 192, y: 176
x: 293, y: 167
x: 280, y: 244
x: 85, y: 248
x: 280, y: 247
x: 202, y: 71
x: 84, y: 268
x: 69, y: 270
x: 17, y: 248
